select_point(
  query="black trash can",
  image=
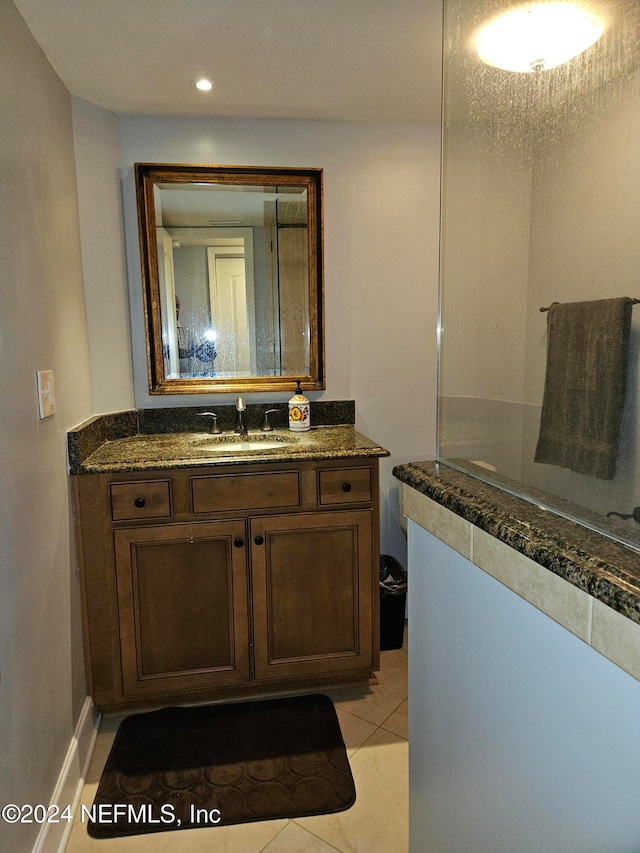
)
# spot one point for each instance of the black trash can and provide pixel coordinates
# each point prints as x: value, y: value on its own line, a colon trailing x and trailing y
x: 393, y: 601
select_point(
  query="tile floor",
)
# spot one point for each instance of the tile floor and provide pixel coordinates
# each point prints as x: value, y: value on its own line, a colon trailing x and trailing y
x: 374, y: 727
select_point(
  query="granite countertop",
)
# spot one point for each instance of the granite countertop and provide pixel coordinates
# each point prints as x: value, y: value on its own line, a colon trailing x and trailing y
x: 143, y: 452
x: 605, y: 569
x: 173, y: 437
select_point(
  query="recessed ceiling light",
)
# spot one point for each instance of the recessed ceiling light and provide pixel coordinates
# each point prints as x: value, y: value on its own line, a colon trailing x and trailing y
x: 203, y: 85
x: 538, y: 36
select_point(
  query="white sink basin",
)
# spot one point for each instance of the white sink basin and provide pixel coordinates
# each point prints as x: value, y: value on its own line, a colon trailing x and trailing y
x: 231, y: 444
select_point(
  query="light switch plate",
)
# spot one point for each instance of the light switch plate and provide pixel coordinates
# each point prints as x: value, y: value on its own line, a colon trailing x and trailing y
x: 46, y: 393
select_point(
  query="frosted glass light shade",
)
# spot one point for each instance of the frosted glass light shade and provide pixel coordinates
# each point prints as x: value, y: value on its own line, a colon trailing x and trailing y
x: 537, y: 36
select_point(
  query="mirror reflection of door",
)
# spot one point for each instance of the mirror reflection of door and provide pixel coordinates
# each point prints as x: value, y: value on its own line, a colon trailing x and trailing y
x: 232, y: 300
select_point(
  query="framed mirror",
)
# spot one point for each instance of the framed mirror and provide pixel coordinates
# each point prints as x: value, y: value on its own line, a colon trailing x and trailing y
x: 232, y: 273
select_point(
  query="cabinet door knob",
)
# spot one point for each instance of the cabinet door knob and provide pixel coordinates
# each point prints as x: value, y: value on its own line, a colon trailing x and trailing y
x: 259, y: 540
x: 139, y: 502
x: 346, y: 487
x: 239, y: 542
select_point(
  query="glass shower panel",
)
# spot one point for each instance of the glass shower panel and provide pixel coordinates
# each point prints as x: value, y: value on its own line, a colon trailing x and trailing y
x: 541, y: 205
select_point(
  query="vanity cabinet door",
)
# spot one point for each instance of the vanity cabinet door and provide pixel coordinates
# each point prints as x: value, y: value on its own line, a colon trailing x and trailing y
x: 313, y: 593
x: 182, y: 606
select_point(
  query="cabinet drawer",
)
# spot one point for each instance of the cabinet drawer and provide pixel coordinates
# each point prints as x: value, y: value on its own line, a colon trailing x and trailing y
x: 345, y: 485
x: 245, y: 491
x: 149, y: 499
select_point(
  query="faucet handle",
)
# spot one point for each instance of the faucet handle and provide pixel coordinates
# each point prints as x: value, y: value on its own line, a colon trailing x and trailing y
x: 215, y: 429
x: 266, y: 426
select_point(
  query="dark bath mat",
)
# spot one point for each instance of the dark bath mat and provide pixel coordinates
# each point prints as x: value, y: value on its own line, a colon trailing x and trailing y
x: 179, y: 768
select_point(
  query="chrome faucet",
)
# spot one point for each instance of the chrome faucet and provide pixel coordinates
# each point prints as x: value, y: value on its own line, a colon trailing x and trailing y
x: 241, y: 428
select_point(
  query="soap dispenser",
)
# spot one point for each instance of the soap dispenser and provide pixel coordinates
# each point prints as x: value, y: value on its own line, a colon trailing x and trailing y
x: 299, y: 411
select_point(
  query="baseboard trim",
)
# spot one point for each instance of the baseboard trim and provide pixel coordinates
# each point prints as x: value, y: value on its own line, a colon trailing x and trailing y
x: 53, y: 837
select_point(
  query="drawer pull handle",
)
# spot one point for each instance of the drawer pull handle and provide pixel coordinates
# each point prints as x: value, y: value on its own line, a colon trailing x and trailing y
x: 239, y: 542
x: 259, y: 540
x: 346, y: 487
x: 139, y: 502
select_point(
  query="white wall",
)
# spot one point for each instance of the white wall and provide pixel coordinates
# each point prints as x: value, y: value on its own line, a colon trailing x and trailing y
x: 381, y: 207
x: 523, y: 737
x: 96, y: 138
x: 42, y: 326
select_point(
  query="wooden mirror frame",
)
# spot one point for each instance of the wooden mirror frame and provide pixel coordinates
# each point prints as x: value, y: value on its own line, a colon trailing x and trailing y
x: 148, y: 174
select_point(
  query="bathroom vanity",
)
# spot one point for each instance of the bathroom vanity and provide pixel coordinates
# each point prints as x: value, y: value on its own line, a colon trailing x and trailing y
x: 219, y: 574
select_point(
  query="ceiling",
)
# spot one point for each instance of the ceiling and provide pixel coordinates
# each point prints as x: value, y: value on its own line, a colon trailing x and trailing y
x: 341, y: 60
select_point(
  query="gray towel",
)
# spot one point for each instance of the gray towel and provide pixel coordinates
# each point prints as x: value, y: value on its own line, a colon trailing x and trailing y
x: 587, y: 357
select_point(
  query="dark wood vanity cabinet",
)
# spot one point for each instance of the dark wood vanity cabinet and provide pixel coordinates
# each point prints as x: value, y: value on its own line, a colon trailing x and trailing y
x: 312, y: 593
x: 228, y: 582
x: 182, y: 614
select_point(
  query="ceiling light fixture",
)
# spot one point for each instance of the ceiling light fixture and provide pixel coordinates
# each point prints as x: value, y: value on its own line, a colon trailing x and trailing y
x: 538, y: 36
x: 203, y: 85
